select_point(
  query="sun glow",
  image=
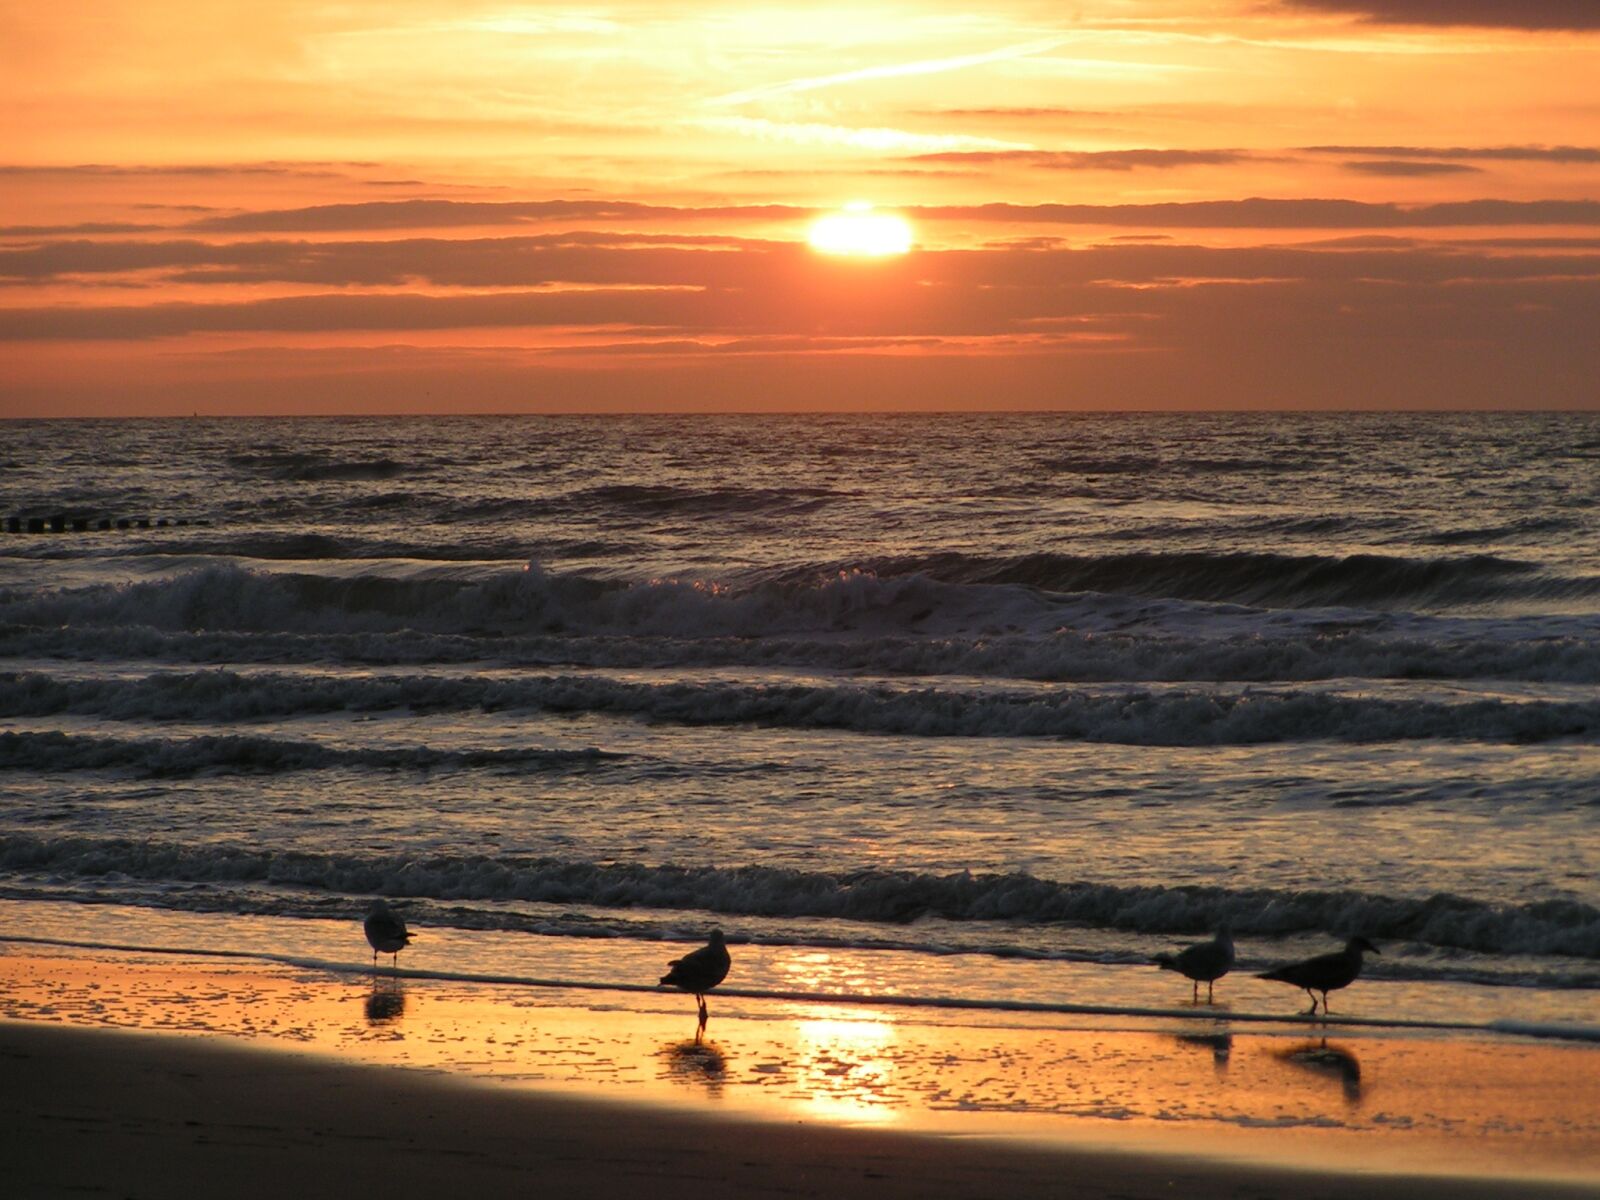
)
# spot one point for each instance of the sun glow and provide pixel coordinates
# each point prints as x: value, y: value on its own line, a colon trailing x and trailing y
x: 859, y: 230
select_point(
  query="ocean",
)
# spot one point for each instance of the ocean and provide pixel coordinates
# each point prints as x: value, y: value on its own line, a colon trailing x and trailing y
x: 947, y: 711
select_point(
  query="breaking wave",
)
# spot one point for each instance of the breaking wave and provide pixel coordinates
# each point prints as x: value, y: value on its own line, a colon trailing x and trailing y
x: 1540, y: 654
x: 667, y: 499
x: 1168, y: 717
x: 1260, y: 579
x: 872, y: 897
x: 934, y: 595
x: 166, y: 758
x: 317, y: 468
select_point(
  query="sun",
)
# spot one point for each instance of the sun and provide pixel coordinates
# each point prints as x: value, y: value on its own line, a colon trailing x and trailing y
x: 860, y: 231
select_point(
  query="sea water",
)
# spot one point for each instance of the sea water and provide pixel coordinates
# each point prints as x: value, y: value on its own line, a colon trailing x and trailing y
x: 954, y: 709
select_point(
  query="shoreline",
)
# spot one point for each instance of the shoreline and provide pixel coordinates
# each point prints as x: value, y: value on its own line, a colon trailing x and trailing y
x: 1197, y: 1097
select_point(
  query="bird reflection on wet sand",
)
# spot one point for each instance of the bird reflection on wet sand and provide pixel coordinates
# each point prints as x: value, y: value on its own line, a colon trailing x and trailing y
x: 386, y: 1004
x: 695, y: 1062
x: 1327, y: 1060
x: 1220, y: 1045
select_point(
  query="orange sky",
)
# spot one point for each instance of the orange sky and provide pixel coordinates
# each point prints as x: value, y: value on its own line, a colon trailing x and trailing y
x: 453, y: 205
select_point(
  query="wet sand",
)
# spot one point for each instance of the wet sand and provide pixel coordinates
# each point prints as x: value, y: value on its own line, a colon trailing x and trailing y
x: 150, y: 1076
x: 103, y: 1113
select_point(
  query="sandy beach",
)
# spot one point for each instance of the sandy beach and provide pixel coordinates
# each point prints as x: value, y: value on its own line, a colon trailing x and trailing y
x: 152, y: 1076
x: 96, y: 1112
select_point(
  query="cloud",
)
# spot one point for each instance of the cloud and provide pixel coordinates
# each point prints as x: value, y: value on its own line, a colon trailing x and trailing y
x: 590, y: 258
x: 879, y: 138
x: 1205, y: 214
x: 1554, y: 154
x: 786, y: 291
x: 1091, y: 160
x: 1504, y: 14
x: 298, y: 170
x: 1259, y: 213
x: 440, y: 214
x: 336, y: 312
x: 74, y: 230
x: 413, y: 214
x: 1408, y: 167
x: 779, y: 272
x: 1019, y: 112
x: 930, y: 66
x: 1277, y: 344
x: 1124, y: 326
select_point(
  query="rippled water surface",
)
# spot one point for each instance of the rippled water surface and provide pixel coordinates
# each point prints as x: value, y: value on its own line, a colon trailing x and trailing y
x: 1036, y: 689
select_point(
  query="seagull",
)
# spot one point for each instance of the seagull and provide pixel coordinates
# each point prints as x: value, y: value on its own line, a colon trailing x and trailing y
x: 1324, y: 973
x: 1204, y: 962
x: 386, y: 931
x: 699, y: 971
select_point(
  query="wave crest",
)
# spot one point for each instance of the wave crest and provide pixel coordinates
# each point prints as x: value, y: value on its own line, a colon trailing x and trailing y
x: 1166, y: 717
x: 876, y: 897
x: 239, y: 753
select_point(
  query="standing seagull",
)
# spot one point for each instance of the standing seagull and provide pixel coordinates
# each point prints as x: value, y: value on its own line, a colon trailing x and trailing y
x: 1324, y: 973
x: 699, y: 971
x: 386, y: 931
x: 1204, y: 962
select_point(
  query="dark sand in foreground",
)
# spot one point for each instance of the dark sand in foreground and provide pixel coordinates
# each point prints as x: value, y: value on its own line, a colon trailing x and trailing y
x: 92, y: 1112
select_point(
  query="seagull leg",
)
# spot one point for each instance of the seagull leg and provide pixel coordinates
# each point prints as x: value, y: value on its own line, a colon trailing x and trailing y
x: 1324, y: 1003
x: 1194, y: 992
x: 704, y: 1014
x: 1210, y: 983
x: 1313, y: 1009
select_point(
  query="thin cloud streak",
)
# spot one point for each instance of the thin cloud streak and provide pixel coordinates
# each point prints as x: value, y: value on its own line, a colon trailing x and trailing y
x: 816, y: 133
x: 931, y: 66
x: 1094, y: 160
x: 1257, y: 212
x: 625, y: 260
x: 1401, y: 168
x: 1550, y: 154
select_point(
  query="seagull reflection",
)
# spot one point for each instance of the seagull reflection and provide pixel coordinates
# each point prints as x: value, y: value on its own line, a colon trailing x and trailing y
x: 1220, y: 1045
x: 693, y: 1063
x: 386, y: 1003
x: 1328, y: 1060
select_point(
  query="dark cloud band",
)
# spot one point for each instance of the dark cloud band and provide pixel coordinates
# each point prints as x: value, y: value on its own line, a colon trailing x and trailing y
x: 1503, y: 14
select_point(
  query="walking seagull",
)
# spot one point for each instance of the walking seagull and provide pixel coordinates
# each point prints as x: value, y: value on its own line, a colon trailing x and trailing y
x: 1324, y: 973
x: 386, y: 931
x: 1204, y: 962
x: 699, y: 971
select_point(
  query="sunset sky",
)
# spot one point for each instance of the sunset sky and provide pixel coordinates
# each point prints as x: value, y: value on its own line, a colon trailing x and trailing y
x: 431, y: 206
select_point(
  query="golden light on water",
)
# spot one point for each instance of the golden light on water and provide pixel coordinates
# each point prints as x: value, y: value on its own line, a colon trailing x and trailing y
x: 862, y: 231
